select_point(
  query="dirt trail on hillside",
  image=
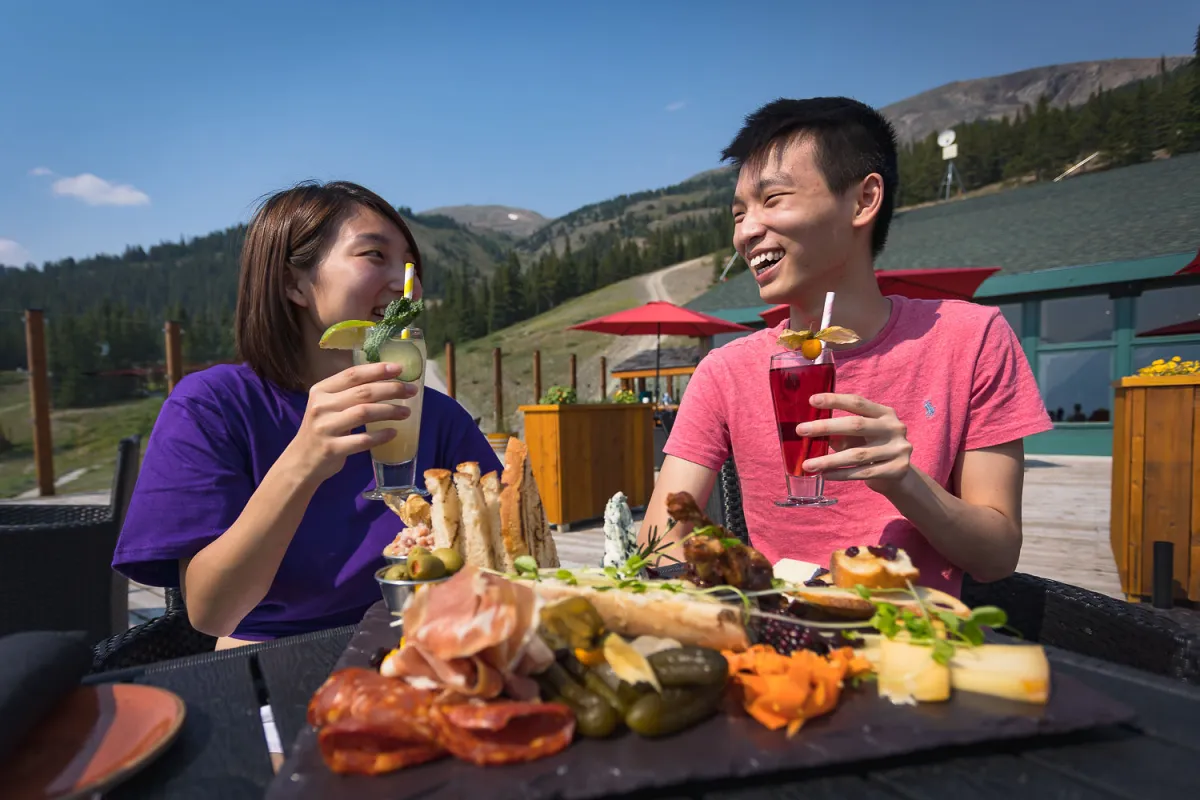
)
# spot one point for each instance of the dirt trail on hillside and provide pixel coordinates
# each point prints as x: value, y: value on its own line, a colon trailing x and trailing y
x: 652, y: 287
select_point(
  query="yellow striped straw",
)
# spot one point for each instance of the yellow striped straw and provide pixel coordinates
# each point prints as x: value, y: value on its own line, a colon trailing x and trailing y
x: 410, y: 274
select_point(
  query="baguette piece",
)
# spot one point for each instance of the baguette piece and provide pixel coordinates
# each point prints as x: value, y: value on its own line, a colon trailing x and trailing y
x: 446, y: 512
x: 871, y: 571
x: 491, y: 486
x: 688, y: 619
x: 476, y: 525
x: 507, y: 545
x: 521, y: 506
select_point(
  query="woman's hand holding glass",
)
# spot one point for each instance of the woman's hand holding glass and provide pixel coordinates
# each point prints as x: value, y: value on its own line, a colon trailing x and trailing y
x: 338, y: 408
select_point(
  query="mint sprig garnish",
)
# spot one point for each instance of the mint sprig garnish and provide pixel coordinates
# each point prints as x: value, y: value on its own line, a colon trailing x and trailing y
x: 396, y: 317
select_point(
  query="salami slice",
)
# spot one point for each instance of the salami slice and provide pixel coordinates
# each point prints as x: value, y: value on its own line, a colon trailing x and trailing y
x: 503, y: 732
x: 388, y: 706
x: 350, y: 747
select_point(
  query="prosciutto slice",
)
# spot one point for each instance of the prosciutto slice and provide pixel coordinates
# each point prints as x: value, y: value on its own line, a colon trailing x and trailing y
x: 474, y: 636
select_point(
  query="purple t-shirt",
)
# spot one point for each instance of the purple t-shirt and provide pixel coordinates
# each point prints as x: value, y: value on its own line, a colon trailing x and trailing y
x: 217, y: 435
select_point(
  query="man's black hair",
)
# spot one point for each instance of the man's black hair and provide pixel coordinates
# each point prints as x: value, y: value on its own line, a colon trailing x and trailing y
x: 852, y: 140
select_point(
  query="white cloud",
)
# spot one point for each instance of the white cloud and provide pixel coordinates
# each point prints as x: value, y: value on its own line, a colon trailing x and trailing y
x: 96, y: 191
x: 12, y: 254
x: 678, y: 105
x: 41, y: 171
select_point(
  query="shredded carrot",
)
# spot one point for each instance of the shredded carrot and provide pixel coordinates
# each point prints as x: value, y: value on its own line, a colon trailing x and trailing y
x: 783, y: 691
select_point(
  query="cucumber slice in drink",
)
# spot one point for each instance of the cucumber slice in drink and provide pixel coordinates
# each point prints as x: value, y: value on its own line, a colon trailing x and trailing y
x: 407, y: 355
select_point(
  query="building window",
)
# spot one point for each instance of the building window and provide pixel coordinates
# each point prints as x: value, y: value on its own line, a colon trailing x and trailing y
x: 1145, y: 354
x: 1076, y: 384
x: 1168, y: 312
x: 1012, y: 313
x: 1077, y: 319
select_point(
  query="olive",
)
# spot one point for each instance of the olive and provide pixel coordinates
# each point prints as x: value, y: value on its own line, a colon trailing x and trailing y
x: 450, y: 557
x: 425, y: 567
x: 396, y: 572
x: 417, y: 550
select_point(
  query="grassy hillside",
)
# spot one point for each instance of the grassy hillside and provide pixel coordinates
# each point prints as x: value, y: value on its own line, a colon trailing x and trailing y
x: 84, y: 439
x: 548, y: 333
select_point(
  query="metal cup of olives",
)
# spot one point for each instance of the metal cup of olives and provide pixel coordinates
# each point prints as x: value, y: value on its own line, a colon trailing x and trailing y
x: 396, y: 584
x: 420, y: 566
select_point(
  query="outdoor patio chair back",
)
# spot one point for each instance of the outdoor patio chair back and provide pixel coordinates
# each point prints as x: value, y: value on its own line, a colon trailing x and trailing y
x: 55, y: 561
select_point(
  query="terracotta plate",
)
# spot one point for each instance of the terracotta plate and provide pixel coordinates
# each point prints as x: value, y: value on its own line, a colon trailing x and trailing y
x: 97, y: 737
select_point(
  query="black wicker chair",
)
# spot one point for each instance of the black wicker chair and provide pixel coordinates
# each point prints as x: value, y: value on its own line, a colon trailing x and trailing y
x: 160, y: 639
x: 1053, y: 613
x: 55, y: 561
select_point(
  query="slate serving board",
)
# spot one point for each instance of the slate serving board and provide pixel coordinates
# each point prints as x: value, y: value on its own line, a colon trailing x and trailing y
x: 863, y: 727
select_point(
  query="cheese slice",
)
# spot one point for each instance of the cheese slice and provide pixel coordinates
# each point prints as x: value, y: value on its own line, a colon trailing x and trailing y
x: 793, y: 571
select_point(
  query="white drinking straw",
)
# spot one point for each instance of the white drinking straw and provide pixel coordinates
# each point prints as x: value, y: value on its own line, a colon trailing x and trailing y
x: 826, y: 314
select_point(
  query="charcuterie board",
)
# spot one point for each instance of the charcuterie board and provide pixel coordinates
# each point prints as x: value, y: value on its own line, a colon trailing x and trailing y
x: 864, y: 727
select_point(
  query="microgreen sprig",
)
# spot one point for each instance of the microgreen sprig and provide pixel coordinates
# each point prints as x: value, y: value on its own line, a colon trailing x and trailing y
x: 923, y: 627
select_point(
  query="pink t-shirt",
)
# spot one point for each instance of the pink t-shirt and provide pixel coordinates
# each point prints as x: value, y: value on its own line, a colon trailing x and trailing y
x: 953, y: 371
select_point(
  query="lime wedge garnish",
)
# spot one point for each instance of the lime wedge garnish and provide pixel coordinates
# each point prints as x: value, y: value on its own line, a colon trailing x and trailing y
x: 346, y: 335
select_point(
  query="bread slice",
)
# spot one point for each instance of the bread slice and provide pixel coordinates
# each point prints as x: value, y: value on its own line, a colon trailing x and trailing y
x: 476, y: 524
x: 508, y: 544
x: 872, y: 571
x: 446, y: 512
x: 521, y: 506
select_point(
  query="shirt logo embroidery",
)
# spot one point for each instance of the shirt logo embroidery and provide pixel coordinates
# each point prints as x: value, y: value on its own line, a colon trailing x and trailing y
x: 929, y: 410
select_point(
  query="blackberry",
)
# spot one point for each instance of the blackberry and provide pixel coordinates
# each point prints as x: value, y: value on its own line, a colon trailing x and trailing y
x: 811, y: 640
x: 888, y: 552
x: 851, y: 552
x: 785, y: 637
x: 378, y: 656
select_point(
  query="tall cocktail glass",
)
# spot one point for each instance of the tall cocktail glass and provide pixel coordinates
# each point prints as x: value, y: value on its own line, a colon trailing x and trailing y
x: 395, y: 461
x: 794, y: 379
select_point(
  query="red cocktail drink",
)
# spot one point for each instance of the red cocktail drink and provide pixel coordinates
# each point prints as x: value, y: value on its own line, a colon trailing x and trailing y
x: 794, y: 379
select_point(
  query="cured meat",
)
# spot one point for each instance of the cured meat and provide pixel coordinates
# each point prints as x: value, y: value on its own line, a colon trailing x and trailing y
x: 473, y: 636
x: 351, y: 747
x: 503, y: 732
x: 375, y: 704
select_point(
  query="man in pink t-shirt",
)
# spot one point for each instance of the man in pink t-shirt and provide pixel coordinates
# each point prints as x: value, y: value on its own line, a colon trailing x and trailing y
x: 930, y: 406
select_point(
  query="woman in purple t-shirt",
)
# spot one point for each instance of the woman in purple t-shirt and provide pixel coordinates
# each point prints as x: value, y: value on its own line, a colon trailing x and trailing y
x: 250, y: 492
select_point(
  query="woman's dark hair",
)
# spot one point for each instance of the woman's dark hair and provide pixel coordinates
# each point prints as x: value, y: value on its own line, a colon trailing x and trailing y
x: 852, y: 140
x: 293, y: 228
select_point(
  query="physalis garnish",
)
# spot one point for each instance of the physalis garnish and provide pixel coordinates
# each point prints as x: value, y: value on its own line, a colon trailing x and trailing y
x: 809, y: 343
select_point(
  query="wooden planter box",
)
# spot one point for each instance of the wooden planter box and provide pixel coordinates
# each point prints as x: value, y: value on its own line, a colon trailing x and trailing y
x: 582, y: 454
x: 1156, y: 480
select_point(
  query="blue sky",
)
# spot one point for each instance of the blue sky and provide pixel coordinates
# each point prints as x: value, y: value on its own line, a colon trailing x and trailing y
x: 136, y: 122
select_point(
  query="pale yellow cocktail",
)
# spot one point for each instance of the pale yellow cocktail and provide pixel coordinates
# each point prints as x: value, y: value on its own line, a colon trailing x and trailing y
x: 409, y: 353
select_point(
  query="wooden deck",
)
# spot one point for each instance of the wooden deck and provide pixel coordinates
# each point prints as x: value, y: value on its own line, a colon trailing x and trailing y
x: 1066, y: 519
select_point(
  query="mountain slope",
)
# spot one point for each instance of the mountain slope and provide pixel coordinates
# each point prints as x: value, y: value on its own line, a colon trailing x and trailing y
x: 515, y: 222
x: 1004, y: 95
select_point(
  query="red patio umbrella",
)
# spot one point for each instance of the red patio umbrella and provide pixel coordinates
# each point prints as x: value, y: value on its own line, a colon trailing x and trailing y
x: 957, y: 283
x: 655, y: 319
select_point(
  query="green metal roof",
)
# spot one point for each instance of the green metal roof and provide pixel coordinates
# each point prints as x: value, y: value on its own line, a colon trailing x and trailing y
x: 1129, y: 216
